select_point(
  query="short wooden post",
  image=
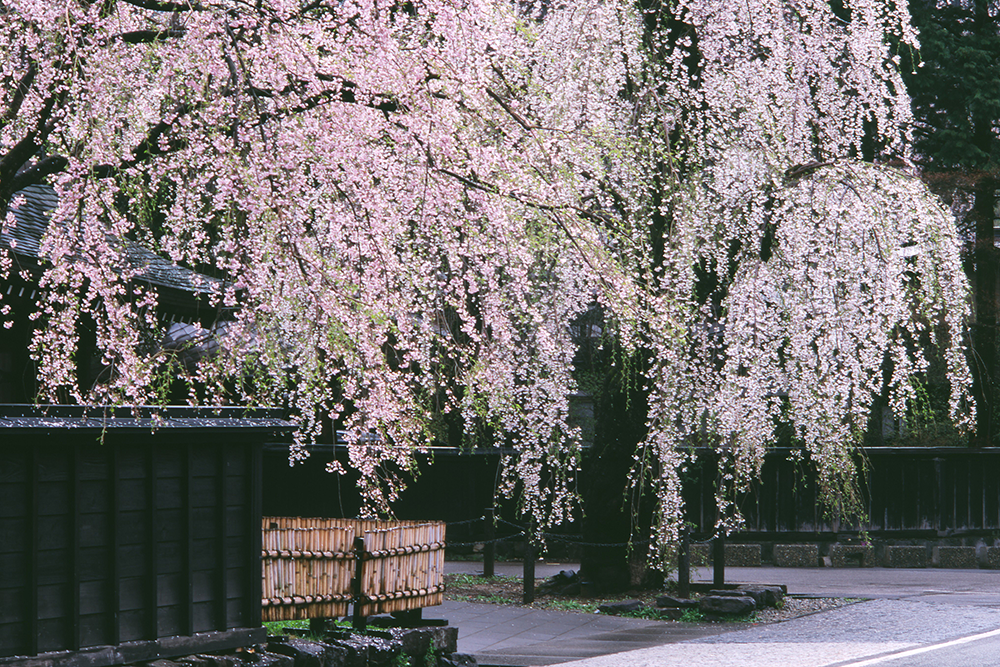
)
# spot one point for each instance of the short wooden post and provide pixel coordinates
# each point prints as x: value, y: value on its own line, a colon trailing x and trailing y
x: 489, y: 549
x: 719, y: 561
x: 360, y: 620
x: 529, y: 568
x: 684, y: 567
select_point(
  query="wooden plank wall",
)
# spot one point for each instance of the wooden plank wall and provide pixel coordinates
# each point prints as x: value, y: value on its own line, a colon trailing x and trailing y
x: 102, y: 544
x: 915, y: 491
x: 308, y: 565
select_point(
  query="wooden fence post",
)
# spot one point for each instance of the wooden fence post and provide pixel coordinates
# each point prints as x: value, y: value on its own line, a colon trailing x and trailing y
x: 489, y: 549
x: 360, y: 620
x: 684, y: 567
x: 719, y: 561
x: 529, y: 566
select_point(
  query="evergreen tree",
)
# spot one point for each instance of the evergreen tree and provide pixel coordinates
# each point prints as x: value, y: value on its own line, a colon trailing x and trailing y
x: 954, y: 81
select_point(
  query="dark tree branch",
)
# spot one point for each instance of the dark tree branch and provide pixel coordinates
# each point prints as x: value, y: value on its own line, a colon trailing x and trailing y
x: 25, y: 149
x: 345, y: 93
x: 150, y: 36
x: 37, y: 173
x: 163, y: 6
x: 799, y: 170
x: 513, y: 114
x: 150, y: 146
x: 21, y: 91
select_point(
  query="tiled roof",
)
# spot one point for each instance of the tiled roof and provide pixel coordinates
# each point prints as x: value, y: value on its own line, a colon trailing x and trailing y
x: 139, y: 418
x: 32, y: 208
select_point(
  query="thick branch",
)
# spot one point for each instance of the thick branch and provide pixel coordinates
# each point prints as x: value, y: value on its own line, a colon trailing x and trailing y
x: 150, y: 36
x: 25, y: 149
x: 161, y: 6
x: 21, y: 91
x: 150, y: 146
x: 38, y: 172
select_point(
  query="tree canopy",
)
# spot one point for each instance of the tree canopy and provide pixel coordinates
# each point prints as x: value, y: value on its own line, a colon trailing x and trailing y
x: 407, y: 204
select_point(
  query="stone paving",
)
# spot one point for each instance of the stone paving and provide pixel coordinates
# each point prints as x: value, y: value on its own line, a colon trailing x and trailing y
x: 908, y: 608
x: 507, y: 635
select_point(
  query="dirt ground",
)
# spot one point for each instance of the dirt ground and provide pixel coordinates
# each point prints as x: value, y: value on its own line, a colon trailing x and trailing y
x: 509, y: 591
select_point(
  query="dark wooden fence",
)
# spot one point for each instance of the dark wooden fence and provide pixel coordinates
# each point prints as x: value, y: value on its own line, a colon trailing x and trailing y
x: 908, y: 492
x: 121, y: 543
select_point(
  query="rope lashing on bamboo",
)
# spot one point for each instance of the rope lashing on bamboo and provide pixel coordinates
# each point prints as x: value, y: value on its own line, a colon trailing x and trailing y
x: 402, y: 551
x: 303, y: 599
x: 328, y: 555
x: 397, y: 595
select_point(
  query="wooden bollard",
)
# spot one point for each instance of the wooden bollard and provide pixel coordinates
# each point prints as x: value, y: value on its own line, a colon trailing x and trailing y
x: 489, y: 549
x: 719, y: 561
x: 684, y: 567
x: 360, y: 620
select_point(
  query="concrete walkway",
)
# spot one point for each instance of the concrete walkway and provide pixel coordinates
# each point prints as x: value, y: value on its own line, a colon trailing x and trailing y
x: 909, y: 608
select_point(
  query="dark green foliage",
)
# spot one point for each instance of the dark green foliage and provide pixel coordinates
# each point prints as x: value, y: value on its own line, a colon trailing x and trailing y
x: 956, y: 102
x: 956, y: 92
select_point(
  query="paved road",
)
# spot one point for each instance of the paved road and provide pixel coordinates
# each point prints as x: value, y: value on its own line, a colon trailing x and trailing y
x: 914, y: 618
x: 878, y: 632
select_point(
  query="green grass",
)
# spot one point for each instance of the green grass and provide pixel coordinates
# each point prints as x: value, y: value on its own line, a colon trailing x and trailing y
x: 692, y: 616
x: 574, y: 605
x: 464, y: 579
x: 488, y: 599
x: 650, y: 614
x: 278, y: 627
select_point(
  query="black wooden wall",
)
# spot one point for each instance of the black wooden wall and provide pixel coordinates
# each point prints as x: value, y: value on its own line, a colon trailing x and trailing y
x: 125, y: 535
x: 919, y: 492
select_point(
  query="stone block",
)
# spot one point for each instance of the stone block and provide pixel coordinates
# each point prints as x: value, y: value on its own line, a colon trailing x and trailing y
x: 852, y: 555
x: 763, y: 596
x: 670, y: 602
x: 743, y: 555
x: 963, y: 558
x: 796, y: 555
x: 905, y: 556
x: 726, y: 605
x: 307, y: 653
x: 618, y: 608
x: 222, y: 660
x: 417, y: 641
x: 993, y: 558
x: 268, y: 659
x: 456, y: 660
x: 367, y: 650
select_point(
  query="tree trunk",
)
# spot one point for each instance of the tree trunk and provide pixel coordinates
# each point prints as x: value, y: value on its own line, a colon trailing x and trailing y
x: 984, y: 327
x: 608, y: 564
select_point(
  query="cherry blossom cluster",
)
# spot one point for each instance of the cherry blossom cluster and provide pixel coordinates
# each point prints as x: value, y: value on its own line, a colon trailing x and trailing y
x: 396, y: 197
x: 834, y: 277
x: 404, y: 205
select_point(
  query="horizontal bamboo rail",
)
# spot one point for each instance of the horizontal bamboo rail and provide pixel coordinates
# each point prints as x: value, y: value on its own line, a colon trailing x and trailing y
x: 308, y: 565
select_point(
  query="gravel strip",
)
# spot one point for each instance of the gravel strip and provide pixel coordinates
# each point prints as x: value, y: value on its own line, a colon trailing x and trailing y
x: 796, y: 607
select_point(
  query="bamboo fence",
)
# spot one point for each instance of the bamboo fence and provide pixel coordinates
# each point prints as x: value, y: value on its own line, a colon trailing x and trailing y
x: 308, y: 565
x: 404, y: 568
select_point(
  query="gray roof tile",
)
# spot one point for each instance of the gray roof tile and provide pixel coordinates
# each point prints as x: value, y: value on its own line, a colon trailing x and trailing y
x: 32, y: 208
